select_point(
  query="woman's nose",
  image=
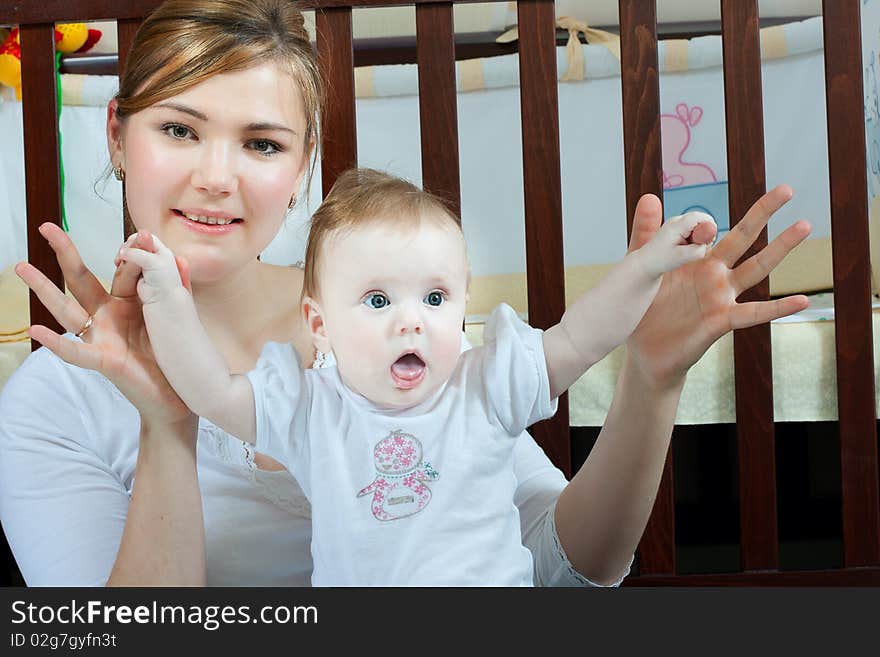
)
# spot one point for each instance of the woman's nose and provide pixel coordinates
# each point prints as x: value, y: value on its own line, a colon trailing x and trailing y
x: 215, y: 172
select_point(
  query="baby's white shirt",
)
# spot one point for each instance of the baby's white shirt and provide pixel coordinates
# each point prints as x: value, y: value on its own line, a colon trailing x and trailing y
x: 422, y: 496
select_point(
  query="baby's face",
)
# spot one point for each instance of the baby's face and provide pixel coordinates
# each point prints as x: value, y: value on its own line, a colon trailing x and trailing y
x: 392, y: 301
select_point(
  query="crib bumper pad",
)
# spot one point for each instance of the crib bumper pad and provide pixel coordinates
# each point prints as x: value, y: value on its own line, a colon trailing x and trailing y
x: 804, y: 374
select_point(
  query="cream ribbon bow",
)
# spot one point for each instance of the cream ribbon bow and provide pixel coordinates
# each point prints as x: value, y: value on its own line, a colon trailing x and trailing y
x: 573, y: 50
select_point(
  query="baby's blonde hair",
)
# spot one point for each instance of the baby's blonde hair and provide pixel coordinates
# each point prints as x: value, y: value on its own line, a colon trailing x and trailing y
x: 362, y: 197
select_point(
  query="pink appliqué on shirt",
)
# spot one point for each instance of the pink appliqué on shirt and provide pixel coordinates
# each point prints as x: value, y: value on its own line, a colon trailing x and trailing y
x: 398, y: 489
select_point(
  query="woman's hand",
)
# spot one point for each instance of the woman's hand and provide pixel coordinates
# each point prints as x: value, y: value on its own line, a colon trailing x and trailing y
x: 116, y: 343
x: 696, y: 303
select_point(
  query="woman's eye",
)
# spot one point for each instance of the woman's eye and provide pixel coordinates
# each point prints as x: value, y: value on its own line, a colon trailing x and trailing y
x: 376, y: 300
x: 265, y: 147
x: 177, y: 131
x: 434, y: 298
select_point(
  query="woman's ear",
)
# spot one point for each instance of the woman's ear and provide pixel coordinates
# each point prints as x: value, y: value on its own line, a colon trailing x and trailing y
x: 114, y: 135
x: 315, y: 323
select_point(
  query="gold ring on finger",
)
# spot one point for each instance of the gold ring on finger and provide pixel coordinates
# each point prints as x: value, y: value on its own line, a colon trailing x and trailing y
x: 86, y: 326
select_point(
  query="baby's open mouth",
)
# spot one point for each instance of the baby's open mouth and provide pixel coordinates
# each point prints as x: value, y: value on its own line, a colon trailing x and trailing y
x: 408, y: 371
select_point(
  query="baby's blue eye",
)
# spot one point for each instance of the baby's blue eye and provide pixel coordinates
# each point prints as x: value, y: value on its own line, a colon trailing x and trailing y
x: 376, y: 300
x: 434, y: 298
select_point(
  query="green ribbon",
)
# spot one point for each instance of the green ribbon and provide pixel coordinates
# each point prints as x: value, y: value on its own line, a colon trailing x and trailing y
x: 60, y: 158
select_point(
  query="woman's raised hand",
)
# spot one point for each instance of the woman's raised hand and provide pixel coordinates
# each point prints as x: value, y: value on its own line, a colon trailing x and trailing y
x: 116, y: 342
x: 696, y: 303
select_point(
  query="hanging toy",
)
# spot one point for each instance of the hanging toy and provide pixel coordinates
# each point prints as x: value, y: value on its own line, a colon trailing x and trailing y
x: 69, y: 38
x: 10, y: 62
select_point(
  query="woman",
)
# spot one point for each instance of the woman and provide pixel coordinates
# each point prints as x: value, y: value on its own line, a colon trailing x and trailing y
x: 212, y: 132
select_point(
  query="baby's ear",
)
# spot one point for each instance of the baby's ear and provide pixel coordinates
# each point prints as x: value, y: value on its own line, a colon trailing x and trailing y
x: 314, y: 320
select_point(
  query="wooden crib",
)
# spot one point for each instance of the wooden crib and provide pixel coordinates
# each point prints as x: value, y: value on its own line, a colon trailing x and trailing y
x: 436, y: 56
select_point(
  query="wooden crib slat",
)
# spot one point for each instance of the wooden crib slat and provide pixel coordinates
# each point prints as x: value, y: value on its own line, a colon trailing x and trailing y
x: 435, y: 52
x: 339, y: 119
x: 41, y: 156
x: 640, y: 86
x: 852, y: 286
x: 64, y: 11
x: 643, y: 164
x: 542, y: 180
x: 752, y: 356
x: 125, y: 31
x: 17, y: 12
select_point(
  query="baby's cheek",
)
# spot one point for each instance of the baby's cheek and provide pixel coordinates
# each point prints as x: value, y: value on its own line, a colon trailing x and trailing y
x: 447, y: 351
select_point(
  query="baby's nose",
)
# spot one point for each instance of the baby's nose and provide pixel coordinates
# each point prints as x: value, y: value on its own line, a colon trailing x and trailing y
x: 409, y: 321
x: 411, y: 327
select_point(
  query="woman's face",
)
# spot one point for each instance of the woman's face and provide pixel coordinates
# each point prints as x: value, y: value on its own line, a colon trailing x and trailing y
x: 211, y: 171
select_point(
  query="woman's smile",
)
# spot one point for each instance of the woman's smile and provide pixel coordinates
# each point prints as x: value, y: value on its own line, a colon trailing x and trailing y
x: 208, y: 222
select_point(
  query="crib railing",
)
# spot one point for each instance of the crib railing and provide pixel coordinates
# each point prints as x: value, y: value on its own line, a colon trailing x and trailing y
x: 543, y: 221
x: 752, y: 349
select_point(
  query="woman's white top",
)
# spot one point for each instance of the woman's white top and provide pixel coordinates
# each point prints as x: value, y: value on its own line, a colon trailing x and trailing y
x: 68, y: 449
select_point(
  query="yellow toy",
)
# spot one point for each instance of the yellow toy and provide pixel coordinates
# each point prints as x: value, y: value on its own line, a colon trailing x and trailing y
x: 69, y: 37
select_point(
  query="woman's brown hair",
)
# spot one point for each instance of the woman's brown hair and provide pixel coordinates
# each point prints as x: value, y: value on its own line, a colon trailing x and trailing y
x: 184, y: 42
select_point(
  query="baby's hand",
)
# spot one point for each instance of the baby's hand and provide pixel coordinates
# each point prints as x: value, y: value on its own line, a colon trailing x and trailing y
x: 680, y: 240
x: 127, y: 274
x: 161, y: 272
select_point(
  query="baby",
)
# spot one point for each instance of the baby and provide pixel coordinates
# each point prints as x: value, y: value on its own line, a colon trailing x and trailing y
x: 404, y: 447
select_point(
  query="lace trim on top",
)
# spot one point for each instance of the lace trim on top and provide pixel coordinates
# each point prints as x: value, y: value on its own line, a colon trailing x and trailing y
x: 573, y: 575
x: 279, y: 487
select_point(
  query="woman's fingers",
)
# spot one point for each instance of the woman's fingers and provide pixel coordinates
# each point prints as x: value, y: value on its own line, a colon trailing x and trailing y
x: 71, y: 351
x: 127, y: 273
x: 732, y: 247
x: 125, y: 279
x: 67, y: 311
x: 79, y: 280
x: 646, y: 221
x: 759, y: 266
x: 704, y: 233
x: 745, y: 315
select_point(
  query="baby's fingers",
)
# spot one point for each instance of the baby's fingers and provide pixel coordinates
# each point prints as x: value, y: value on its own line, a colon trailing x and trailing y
x: 160, y: 269
x: 143, y: 259
x: 683, y: 228
x: 690, y: 252
x: 145, y: 242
